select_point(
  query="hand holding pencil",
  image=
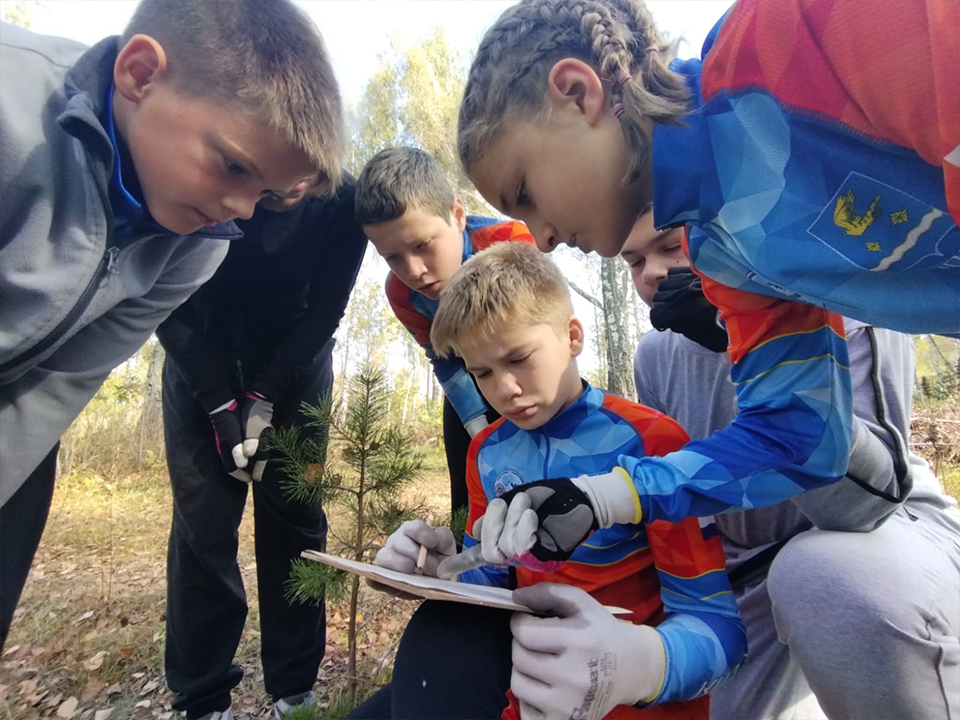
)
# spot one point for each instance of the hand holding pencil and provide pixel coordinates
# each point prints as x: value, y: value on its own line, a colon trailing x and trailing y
x: 416, y: 548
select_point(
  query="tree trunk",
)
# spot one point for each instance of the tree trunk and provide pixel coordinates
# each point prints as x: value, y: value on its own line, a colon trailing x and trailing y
x: 619, y: 355
x: 352, y: 639
x: 150, y: 426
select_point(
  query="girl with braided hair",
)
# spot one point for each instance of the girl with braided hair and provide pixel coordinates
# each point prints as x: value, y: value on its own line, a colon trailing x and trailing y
x: 812, y: 155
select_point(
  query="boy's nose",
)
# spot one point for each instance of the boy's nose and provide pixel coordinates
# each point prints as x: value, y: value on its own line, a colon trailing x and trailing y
x: 241, y: 206
x: 507, y: 386
x: 653, y: 274
x: 416, y: 268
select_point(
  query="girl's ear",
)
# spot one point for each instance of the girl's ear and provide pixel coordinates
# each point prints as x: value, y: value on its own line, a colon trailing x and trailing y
x: 573, y: 84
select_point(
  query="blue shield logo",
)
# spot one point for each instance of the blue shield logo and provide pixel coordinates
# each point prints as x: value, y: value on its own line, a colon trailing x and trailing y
x: 878, y: 227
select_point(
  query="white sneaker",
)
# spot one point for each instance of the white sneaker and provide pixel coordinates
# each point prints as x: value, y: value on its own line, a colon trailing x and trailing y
x: 218, y: 715
x: 285, y: 706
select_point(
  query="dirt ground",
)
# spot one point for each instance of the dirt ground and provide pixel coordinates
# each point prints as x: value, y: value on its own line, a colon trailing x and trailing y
x: 87, y: 638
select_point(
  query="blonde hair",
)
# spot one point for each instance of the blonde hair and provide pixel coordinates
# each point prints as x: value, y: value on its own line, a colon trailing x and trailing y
x: 510, y: 282
x: 264, y: 58
x: 508, y: 77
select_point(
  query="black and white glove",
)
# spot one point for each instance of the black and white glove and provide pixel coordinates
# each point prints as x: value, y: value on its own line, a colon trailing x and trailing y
x: 538, y: 525
x: 257, y: 418
x: 680, y: 305
x: 228, y: 434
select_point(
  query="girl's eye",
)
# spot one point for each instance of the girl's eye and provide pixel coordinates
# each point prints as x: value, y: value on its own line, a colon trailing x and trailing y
x: 675, y: 248
x: 482, y: 374
x: 638, y: 263
x: 423, y: 245
x: 233, y: 168
x: 520, y: 360
x: 522, y: 197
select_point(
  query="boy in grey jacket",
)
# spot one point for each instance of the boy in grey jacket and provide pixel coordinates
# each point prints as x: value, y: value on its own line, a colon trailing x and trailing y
x: 121, y: 169
x: 848, y: 593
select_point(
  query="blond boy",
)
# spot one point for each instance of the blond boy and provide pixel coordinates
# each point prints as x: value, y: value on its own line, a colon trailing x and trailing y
x: 508, y: 314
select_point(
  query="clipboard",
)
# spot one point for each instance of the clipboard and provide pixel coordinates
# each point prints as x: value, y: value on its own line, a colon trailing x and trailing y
x: 431, y: 588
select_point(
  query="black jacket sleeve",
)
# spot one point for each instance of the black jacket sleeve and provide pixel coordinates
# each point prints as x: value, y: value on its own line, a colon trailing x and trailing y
x: 344, y: 244
x: 204, y: 364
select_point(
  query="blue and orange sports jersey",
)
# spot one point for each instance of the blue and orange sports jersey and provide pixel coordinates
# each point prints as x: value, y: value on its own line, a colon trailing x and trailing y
x: 416, y: 312
x: 669, y: 575
x: 820, y: 165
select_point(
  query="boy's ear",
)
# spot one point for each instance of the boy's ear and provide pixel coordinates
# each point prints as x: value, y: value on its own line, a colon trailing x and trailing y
x: 140, y: 64
x: 458, y: 214
x: 572, y: 83
x: 575, y: 333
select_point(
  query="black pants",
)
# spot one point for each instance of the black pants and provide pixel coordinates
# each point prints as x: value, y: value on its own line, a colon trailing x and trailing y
x: 456, y: 442
x: 206, y: 603
x: 22, y: 520
x: 453, y: 663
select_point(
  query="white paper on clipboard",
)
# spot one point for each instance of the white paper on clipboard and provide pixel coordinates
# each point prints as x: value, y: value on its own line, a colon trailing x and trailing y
x: 430, y: 588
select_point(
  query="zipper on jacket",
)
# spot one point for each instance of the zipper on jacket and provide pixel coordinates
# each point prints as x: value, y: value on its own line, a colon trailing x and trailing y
x: 108, y: 264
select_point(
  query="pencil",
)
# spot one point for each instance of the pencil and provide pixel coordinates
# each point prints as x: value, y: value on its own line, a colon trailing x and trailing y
x: 421, y: 558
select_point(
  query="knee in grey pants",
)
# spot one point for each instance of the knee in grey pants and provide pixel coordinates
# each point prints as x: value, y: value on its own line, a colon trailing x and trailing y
x: 873, y: 619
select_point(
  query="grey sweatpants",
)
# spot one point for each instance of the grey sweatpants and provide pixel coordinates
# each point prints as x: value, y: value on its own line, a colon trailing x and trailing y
x: 854, y: 625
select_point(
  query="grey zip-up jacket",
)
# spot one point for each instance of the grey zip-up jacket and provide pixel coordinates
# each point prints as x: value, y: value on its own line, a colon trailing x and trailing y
x: 74, y: 303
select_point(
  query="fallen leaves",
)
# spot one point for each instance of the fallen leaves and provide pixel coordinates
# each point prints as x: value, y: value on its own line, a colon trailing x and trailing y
x: 95, y: 662
x: 69, y: 708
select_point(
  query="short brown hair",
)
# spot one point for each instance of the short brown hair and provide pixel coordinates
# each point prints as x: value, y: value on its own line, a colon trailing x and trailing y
x: 263, y: 57
x: 398, y: 179
x: 508, y: 282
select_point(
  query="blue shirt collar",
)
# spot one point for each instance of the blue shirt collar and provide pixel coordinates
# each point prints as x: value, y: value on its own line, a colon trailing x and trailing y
x: 571, y: 416
x: 467, y: 246
x: 126, y: 208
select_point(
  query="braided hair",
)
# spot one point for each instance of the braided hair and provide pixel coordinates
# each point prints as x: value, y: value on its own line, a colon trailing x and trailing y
x: 618, y: 38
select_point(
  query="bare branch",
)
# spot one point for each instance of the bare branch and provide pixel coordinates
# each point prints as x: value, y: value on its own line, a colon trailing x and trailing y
x: 584, y: 294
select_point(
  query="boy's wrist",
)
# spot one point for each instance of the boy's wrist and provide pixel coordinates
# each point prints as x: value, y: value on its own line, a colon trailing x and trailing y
x: 475, y: 425
x: 647, y: 661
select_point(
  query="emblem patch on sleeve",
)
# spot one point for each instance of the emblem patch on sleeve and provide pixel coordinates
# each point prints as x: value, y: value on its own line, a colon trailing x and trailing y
x: 879, y: 227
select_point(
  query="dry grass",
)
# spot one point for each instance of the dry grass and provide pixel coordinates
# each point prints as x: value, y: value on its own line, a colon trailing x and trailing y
x: 88, y: 635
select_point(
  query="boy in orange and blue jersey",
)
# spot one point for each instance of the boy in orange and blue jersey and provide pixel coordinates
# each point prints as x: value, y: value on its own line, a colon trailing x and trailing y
x: 508, y: 314
x: 409, y: 211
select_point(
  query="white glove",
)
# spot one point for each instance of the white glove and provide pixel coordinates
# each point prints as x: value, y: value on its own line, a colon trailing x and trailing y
x: 583, y: 662
x: 475, y: 425
x: 403, y: 548
x: 505, y: 533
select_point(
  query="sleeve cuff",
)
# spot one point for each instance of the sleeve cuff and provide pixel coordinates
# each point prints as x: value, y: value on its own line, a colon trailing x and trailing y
x: 613, y: 497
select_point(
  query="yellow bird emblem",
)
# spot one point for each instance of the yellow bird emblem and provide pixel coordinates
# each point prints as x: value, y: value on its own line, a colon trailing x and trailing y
x: 845, y: 216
